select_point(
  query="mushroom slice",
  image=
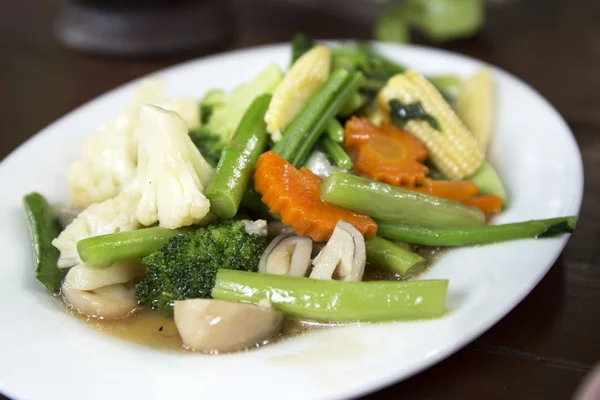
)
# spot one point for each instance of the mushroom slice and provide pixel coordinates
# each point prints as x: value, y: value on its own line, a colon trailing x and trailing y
x: 82, y: 277
x: 216, y: 326
x: 287, y: 254
x: 108, y: 302
x: 344, y: 256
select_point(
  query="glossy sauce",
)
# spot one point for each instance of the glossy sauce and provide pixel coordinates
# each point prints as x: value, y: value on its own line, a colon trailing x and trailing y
x: 150, y: 328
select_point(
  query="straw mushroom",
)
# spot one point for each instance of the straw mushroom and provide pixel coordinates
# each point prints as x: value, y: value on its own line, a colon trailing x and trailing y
x: 287, y: 254
x: 343, y: 257
x: 107, y: 302
x: 215, y: 326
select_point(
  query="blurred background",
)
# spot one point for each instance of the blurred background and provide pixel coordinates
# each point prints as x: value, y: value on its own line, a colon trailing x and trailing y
x: 57, y: 54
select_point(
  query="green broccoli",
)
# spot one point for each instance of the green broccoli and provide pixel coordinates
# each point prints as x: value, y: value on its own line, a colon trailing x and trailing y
x: 210, y: 145
x: 187, y: 265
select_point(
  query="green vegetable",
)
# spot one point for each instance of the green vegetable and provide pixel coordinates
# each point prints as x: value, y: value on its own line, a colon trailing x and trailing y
x: 43, y: 229
x: 476, y: 234
x: 210, y: 145
x: 391, y: 203
x: 335, y: 301
x: 376, y: 68
x: 229, y: 181
x: 226, y: 116
x: 299, y: 156
x: 438, y: 20
x: 391, y: 257
x: 403, y: 113
x: 212, y: 98
x: 336, y: 153
x: 335, y: 131
x: 252, y: 200
x: 186, y: 267
x: 488, y: 181
x: 105, y: 250
x: 303, y: 124
x: 300, y: 45
x: 354, y: 103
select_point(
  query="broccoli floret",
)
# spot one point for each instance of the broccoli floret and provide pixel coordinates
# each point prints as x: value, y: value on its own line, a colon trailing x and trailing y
x: 210, y: 145
x: 186, y: 267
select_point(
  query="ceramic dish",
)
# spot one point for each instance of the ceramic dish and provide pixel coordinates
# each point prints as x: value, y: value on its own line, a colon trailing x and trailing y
x: 47, y: 354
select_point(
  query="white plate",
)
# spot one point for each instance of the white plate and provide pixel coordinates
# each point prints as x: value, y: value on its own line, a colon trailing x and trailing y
x: 47, y: 354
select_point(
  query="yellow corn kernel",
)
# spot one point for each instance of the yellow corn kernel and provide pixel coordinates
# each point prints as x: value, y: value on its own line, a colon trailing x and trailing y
x: 475, y: 106
x: 452, y: 148
x: 303, y: 79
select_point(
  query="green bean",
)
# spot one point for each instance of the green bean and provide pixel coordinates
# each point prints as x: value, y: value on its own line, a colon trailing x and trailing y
x: 43, y: 228
x: 226, y: 188
x: 335, y: 301
x: 477, y: 234
x: 391, y: 203
x: 336, y: 153
x: 356, y: 101
x: 391, y: 257
x: 335, y: 131
x: 105, y: 250
x: 300, y: 127
x: 352, y: 84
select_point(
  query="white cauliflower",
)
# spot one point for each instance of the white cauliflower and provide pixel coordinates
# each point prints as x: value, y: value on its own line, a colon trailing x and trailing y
x: 172, y: 174
x: 110, y: 216
x: 110, y: 156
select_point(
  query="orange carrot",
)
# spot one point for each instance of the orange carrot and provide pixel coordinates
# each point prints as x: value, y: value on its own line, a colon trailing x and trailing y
x: 294, y: 195
x: 359, y: 131
x: 451, y: 190
x: 488, y: 203
x: 386, y: 153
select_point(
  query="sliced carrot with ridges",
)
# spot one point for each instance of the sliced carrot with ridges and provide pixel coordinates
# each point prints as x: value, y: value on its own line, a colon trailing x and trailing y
x: 488, y: 203
x: 294, y: 195
x: 386, y: 153
x: 359, y: 131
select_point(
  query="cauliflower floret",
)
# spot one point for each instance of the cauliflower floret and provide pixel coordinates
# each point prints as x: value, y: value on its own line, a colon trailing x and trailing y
x: 110, y: 216
x: 110, y: 156
x: 172, y: 174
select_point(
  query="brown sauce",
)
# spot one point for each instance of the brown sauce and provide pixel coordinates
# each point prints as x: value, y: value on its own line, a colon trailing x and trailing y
x: 150, y: 328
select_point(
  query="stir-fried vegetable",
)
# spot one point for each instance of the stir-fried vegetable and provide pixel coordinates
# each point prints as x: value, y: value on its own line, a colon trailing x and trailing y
x: 390, y: 203
x: 185, y: 267
x: 336, y: 153
x: 43, y: 229
x: 417, y: 106
x: 297, y: 87
x: 228, y: 184
x: 335, y: 301
x: 294, y: 194
x: 392, y: 257
x: 466, y: 236
x: 105, y: 250
x: 404, y: 158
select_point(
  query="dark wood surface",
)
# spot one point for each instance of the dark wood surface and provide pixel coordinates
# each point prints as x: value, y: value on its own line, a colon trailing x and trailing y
x: 543, y: 348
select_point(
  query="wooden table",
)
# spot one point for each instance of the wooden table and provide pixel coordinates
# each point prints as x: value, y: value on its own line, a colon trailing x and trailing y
x: 543, y: 348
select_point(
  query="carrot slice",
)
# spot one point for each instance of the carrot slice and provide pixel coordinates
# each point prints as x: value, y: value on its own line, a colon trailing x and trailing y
x: 294, y: 195
x: 359, y: 131
x: 451, y: 190
x: 488, y: 203
x: 386, y: 153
